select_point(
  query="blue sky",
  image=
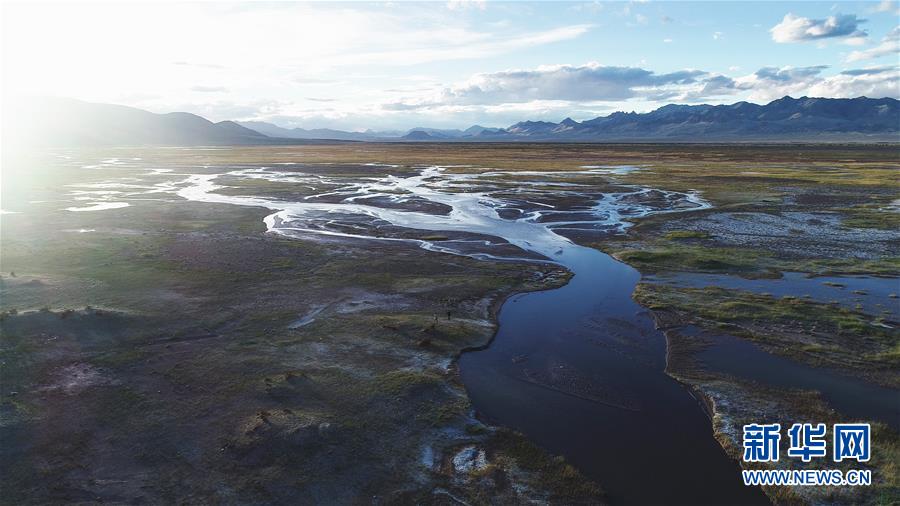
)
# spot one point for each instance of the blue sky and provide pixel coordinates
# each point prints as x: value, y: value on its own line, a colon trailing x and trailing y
x: 395, y: 65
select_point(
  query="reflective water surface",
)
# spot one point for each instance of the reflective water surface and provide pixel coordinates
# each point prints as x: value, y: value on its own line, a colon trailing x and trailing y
x: 578, y: 369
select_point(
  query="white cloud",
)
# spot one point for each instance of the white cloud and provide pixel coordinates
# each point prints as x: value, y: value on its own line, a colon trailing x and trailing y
x: 871, y: 82
x: 885, y: 6
x: 889, y: 45
x: 209, y: 89
x: 771, y: 83
x: 717, y: 35
x: 553, y: 92
x: 590, y: 7
x: 456, y: 5
x: 581, y: 83
x: 799, y: 29
x: 350, y: 65
x: 480, y: 46
x: 855, y: 41
x: 592, y: 84
x: 257, y: 49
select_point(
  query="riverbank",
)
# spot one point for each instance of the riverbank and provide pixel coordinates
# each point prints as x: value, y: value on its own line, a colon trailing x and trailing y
x: 315, y: 360
x: 779, y: 303
x: 579, y: 370
x: 151, y: 353
x: 564, y: 372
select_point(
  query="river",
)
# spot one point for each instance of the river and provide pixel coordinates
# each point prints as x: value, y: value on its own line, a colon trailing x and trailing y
x: 578, y: 369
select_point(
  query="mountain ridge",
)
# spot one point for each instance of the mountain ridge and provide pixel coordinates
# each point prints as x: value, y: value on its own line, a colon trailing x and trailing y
x: 804, y: 119
x: 70, y: 122
x: 784, y: 119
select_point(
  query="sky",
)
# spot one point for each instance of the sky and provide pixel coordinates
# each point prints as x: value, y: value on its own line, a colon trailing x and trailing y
x: 398, y: 65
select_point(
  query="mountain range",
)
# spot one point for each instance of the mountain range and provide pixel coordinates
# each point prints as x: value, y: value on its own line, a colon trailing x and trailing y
x: 422, y: 133
x: 72, y: 122
x: 783, y: 119
x: 68, y: 122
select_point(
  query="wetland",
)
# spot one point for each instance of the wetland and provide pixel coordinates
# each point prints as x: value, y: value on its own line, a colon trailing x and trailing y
x: 528, y: 323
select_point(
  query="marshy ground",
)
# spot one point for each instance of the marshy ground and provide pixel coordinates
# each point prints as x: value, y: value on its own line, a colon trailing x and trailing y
x: 173, y: 351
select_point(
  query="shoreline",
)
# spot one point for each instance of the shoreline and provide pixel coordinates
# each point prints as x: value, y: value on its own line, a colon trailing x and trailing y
x: 571, y: 367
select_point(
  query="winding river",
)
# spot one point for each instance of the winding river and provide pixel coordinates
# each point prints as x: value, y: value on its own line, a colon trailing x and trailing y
x: 578, y: 369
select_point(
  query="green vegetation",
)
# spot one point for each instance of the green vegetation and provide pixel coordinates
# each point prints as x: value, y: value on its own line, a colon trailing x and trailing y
x: 695, y: 258
x: 875, y: 216
x: 191, y: 364
x: 686, y: 234
x: 563, y: 481
x: 400, y: 381
x: 183, y: 358
x: 748, y: 262
x: 819, y: 334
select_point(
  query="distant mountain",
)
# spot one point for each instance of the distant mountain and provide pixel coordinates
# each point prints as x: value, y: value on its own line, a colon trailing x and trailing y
x: 786, y: 119
x: 72, y: 122
x: 421, y: 135
x: 478, y: 129
x: 67, y: 122
x: 273, y: 130
x: 436, y: 132
x: 532, y: 128
x: 783, y: 119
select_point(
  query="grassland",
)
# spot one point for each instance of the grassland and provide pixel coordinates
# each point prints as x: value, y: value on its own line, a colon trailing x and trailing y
x: 811, y: 210
x: 152, y: 357
x: 153, y: 354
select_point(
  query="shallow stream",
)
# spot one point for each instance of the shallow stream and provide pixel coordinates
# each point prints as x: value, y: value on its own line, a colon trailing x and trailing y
x: 578, y: 369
